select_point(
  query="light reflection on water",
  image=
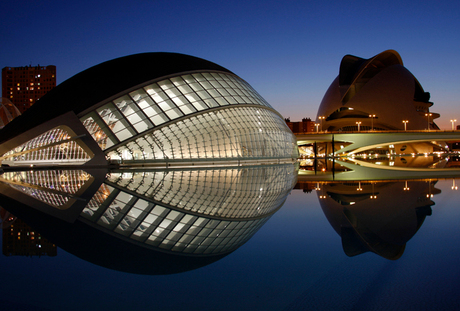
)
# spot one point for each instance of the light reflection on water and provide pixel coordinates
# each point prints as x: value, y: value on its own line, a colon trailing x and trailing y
x: 327, y: 248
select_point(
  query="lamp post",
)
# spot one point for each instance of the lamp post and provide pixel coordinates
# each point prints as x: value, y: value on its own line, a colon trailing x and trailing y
x: 372, y: 121
x: 317, y: 124
x: 405, y: 124
x: 321, y: 120
x: 359, y: 124
x: 428, y: 115
x: 406, y: 187
x: 453, y: 123
x: 373, y: 196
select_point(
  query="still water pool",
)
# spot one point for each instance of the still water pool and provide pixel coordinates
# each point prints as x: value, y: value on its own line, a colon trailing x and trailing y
x: 329, y: 247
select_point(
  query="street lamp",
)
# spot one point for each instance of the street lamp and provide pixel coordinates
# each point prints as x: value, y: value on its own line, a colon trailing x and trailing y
x: 317, y: 124
x: 406, y: 187
x: 428, y: 115
x: 405, y: 124
x: 321, y: 120
x: 359, y: 124
x: 372, y: 121
x: 453, y: 123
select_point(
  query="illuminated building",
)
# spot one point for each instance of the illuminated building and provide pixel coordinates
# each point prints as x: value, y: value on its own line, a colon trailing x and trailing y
x: 23, y: 86
x: 149, y: 108
x: 378, y: 93
x: 158, y: 151
x: 376, y: 107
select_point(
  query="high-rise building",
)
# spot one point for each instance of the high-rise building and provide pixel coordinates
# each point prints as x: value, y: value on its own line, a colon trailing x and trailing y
x: 23, y: 86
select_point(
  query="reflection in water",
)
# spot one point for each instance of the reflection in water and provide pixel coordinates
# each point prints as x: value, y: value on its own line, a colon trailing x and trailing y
x: 19, y: 239
x: 161, y: 221
x: 376, y: 206
x: 148, y: 221
x: 427, y: 161
x: 377, y: 216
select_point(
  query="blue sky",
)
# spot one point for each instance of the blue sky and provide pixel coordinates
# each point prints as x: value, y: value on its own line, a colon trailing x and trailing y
x: 289, y: 51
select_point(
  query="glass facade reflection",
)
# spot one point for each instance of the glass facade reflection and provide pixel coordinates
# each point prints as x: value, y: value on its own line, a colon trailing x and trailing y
x: 203, y: 211
x: 53, y: 187
x: 162, y: 151
x: 56, y: 145
x: 193, y: 211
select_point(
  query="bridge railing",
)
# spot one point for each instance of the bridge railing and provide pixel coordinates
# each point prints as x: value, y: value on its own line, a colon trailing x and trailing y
x: 376, y: 131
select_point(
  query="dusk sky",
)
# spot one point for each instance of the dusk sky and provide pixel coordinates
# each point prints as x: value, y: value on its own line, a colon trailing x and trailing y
x: 289, y: 51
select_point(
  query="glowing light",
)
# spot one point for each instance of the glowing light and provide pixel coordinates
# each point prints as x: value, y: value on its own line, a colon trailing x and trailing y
x: 359, y: 125
x: 372, y: 121
x: 405, y: 124
x: 406, y: 188
x: 428, y: 115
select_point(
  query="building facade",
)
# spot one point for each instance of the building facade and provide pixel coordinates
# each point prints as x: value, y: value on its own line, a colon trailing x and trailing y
x: 23, y: 86
x: 378, y: 93
x: 304, y: 126
x: 161, y: 150
x: 149, y: 108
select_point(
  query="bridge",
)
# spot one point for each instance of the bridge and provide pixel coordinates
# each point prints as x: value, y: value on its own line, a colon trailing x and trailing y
x: 349, y: 143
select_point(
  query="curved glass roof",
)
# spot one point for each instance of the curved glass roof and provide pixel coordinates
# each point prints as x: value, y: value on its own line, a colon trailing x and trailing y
x: 203, y: 116
x: 199, y: 115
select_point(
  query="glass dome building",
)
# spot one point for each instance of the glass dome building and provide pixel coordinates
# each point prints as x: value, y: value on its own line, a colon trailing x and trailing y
x: 149, y: 109
x: 168, y: 159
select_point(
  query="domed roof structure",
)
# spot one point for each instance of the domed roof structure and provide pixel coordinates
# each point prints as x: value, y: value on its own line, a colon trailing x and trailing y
x: 379, y: 92
x: 162, y: 151
x: 148, y: 108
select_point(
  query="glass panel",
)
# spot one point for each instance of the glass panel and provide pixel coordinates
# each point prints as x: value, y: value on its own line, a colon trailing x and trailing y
x: 199, y: 77
x: 177, y: 81
x: 116, y: 122
x: 173, y: 92
x: 137, y: 95
x: 165, y: 84
x: 185, y: 89
x: 174, y: 113
x: 131, y: 111
x: 166, y: 105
